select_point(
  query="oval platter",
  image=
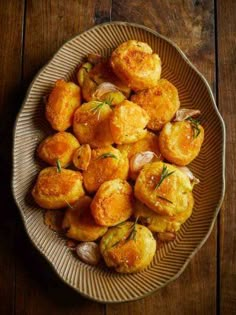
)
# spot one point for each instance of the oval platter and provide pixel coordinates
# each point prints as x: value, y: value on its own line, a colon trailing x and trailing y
x: 31, y: 127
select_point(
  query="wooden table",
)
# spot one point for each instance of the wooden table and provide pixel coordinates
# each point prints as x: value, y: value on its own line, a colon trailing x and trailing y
x: 31, y: 32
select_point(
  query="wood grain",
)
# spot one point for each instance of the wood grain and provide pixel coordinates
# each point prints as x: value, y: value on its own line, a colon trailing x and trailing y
x: 11, y: 24
x: 48, y: 25
x: 191, y: 26
x: 226, y: 98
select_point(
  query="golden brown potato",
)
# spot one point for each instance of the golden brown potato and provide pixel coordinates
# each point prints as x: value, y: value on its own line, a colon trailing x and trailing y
x: 106, y: 163
x: 127, y: 123
x: 60, y: 146
x: 149, y: 143
x: 82, y: 157
x: 128, y: 247
x: 162, y: 223
x: 180, y: 142
x: 163, y: 188
x: 112, y: 203
x: 79, y: 223
x: 135, y: 63
x: 92, y: 124
x: 160, y: 102
x: 54, y: 189
x: 61, y: 105
x: 90, y: 77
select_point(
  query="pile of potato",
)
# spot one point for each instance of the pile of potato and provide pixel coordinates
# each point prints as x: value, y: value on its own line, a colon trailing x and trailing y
x: 118, y: 158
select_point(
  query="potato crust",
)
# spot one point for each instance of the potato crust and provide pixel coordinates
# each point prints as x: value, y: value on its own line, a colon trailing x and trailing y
x: 127, y: 123
x: 79, y: 223
x: 92, y: 124
x: 107, y: 163
x: 178, y: 143
x: 60, y: 146
x: 135, y: 63
x: 62, y: 103
x: 53, y: 189
x: 128, y: 255
x: 171, y: 196
x: 160, y: 102
x: 113, y: 202
x: 162, y: 223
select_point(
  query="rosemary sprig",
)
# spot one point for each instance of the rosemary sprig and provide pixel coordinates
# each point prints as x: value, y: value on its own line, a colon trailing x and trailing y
x: 97, y: 108
x: 164, y: 175
x: 58, y: 166
x: 131, y: 235
x: 165, y: 199
x: 107, y: 155
x: 68, y: 204
x: 195, y: 126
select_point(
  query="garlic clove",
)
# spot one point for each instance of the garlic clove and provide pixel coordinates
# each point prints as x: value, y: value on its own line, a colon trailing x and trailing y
x: 138, y: 160
x: 104, y: 88
x: 89, y: 253
x: 190, y: 175
x: 94, y: 58
x: 166, y: 236
x: 184, y: 113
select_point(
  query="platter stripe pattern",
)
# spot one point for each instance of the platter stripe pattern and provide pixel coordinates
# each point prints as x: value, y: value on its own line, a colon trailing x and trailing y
x: 99, y: 283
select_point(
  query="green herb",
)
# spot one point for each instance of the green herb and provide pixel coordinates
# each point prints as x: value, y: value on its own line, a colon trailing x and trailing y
x: 164, y: 175
x: 97, y: 108
x: 163, y: 198
x: 132, y: 232
x: 107, y: 155
x: 195, y: 126
x: 68, y: 204
x: 58, y: 166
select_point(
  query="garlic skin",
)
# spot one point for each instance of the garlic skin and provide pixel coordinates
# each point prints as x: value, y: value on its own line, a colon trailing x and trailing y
x: 166, y: 236
x: 190, y: 175
x: 104, y: 88
x: 94, y: 58
x: 184, y: 113
x: 138, y: 160
x: 89, y: 253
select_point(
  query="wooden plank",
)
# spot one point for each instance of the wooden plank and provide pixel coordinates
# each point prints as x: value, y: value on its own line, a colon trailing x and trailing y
x: 190, y: 24
x: 48, y: 25
x: 226, y: 81
x: 11, y: 26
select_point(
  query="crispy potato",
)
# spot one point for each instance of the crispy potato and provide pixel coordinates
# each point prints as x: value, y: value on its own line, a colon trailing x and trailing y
x: 135, y: 63
x: 112, y: 203
x: 162, y: 223
x: 53, y: 189
x: 79, y: 223
x: 60, y: 146
x: 82, y: 157
x: 62, y: 103
x: 168, y: 196
x: 106, y: 163
x: 127, y: 123
x: 160, y: 102
x: 179, y: 142
x: 90, y: 78
x: 128, y: 248
x: 148, y: 143
x: 92, y: 124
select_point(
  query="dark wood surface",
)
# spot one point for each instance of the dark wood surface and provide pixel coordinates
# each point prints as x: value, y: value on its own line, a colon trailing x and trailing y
x: 31, y: 32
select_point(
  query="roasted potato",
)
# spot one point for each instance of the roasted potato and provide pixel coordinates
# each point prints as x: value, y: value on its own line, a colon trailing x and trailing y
x: 91, y: 78
x: 160, y: 102
x: 55, y: 188
x: 128, y: 247
x: 180, y: 142
x: 113, y: 202
x: 163, y: 188
x: 92, y: 124
x: 60, y: 146
x: 135, y: 63
x: 62, y: 103
x: 79, y: 224
x: 162, y: 223
x: 82, y: 157
x: 107, y: 163
x: 127, y: 123
x: 149, y: 143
